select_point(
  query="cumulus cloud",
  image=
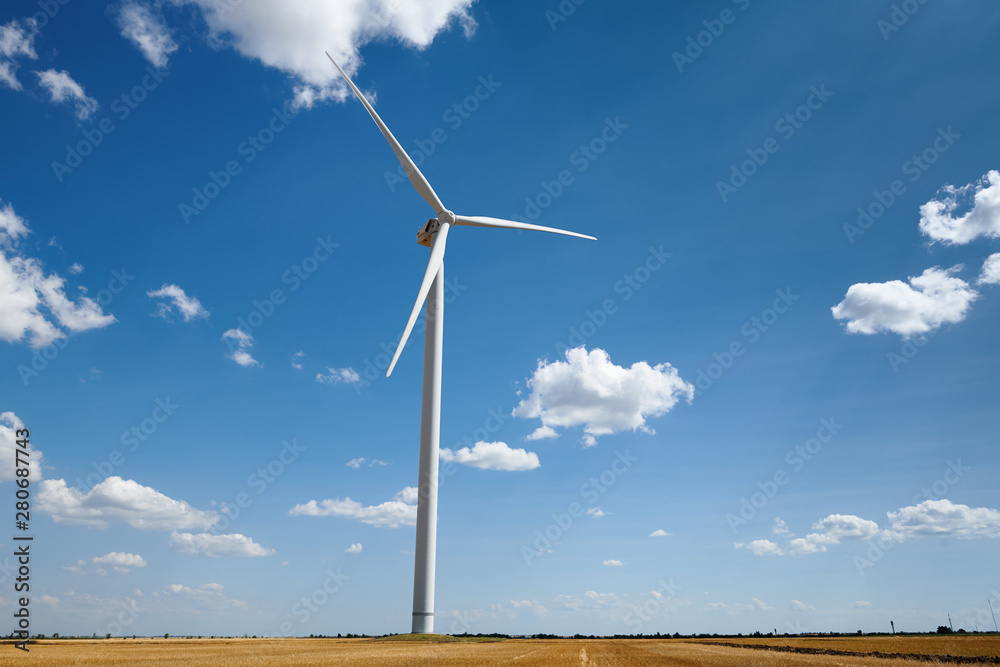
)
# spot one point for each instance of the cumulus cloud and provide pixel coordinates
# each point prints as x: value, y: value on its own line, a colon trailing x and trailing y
x: 287, y: 34
x: 147, y: 31
x: 209, y: 596
x: 175, y: 300
x: 75, y: 268
x: 400, y: 511
x: 119, y: 561
x: 990, y: 274
x: 762, y: 548
x: 589, y: 390
x: 217, y: 546
x: 360, y: 461
x: 659, y: 532
x: 338, y: 376
x: 30, y: 299
x: 16, y: 40
x: 943, y: 518
x: 120, y: 558
x: 116, y: 499
x: 9, y: 426
x: 597, y: 512
x: 62, y: 88
x: 930, y: 300
x: 832, y: 530
x: 931, y: 518
x: 12, y: 226
x: 779, y: 527
x: 239, y: 343
x: 938, y: 219
x: 353, y: 549
x: 613, y: 563
x: 296, y: 359
x: 492, y: 456
x: 802, y: 606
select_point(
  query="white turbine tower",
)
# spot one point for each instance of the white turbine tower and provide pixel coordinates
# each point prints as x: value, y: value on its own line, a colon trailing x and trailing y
x: 433, y: 235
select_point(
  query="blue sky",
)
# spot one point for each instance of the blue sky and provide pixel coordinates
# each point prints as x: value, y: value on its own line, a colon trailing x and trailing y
x: 748, y: 405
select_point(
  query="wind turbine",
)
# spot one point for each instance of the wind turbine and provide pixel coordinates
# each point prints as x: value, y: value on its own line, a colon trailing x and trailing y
x: 434, y: 234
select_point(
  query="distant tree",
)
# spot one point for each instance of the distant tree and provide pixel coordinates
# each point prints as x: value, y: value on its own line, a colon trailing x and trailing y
x: 107, y: 636
x: 166, y: 635
x: 944, y: 630
x: 55, y: 635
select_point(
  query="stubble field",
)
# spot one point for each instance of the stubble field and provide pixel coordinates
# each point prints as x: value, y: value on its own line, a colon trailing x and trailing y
x: 585, y: 652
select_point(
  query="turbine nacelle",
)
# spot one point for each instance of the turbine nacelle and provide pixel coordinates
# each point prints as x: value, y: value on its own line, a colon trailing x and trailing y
x: 426, y: 233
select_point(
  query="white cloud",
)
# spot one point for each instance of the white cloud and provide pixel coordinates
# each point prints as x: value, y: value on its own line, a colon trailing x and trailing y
x: 659, y: 532
x: 990, y: 274
x: 209, y: 596
x: 295, y: 360
x: 26, y: 293
x: 589, y: 390
x: 931, y: 299
x: 763, y: 606
x: 147, y: 31
x: 217, y: 546
x: 339, y: 376
x: 613, y: 563
x: 400, y: 511
x: 762, y: 548
x: 120, y: 558
x: 239, y: 342
x: 16, y: 39
x: 354, y: 548
x: 492, y: 456
x: 355, y: 463
x: 832, y: 530
x: 937, y: 219
x: 75, y: 268
x: 62, y: 88
x: 12, y: 226
x: 119, y: 561
x: 779, y: 527
x: 176, y: 300
x: 943, y: 518
x: 938, y: 518
x: 287, y: 35
x: 862, y: 604
x: 9, y: 426
x: 597, y: 512
x: 802, y: 606
x: 117, y: 499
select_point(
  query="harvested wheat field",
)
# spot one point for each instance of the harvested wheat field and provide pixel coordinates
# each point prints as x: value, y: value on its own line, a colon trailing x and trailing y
x: 585, y: 652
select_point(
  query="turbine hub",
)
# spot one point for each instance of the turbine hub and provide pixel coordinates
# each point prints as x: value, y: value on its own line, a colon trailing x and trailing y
x: 446, y: 216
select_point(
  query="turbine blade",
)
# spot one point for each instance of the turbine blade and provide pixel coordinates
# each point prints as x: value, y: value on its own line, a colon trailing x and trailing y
x: 420, y: 183
x: 433, y: 266
x: 478, y: 221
